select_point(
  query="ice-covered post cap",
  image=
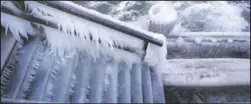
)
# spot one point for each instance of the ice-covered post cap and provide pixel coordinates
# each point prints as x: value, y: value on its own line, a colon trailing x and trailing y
x: 162, y: 18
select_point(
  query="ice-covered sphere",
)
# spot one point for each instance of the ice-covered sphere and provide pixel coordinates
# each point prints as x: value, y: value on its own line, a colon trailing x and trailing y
x: 162, y: 18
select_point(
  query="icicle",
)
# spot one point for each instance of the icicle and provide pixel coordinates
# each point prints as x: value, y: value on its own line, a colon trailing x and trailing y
x: 17, y: 26
x: 61, y: 43
x: 85, y: 29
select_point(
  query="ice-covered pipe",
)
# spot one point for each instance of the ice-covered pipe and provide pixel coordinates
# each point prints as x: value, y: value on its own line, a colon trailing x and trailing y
x: 162, y: 18
x: 209, y: 72
x: 209, y: 46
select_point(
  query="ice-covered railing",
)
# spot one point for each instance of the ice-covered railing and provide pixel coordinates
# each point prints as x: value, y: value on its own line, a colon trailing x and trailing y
x: 60, y: 48
x: 163, y: 19
x: 82, y: 27
x: 202, y: 59
x: 105, y: 20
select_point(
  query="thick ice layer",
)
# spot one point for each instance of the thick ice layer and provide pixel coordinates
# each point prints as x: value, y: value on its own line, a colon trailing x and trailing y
x: 108, y: 18
x: 97, y: 31
x: 84, y: 28
x: 162, y: 13
x: 156, y: 55
x: 63, y: 44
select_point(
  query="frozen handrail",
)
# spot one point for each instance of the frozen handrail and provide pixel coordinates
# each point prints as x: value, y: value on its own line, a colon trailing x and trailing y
x: 105, y: 20
x: 245, y: 35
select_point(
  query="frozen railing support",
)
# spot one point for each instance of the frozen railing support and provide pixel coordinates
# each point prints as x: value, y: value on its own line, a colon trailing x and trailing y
x: 157, y: 86
x: 105, y: 20
x: 97, y: 81
x: 83, y: 73
x: 124, y: 83
x: 162, y: 18
x: 136, y: 84
x: 146, y: 84
x: 209, y: 45
x: 63, y: 83
x: 55, y: 75
x: 111, y: 93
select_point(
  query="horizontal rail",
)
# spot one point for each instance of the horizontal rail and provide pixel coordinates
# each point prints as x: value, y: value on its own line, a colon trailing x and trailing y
x: 105, y: 20
x: 209, y: 72
x: 209, y: 45
x: 208, y: 50
x: 212, y: 34
x: 36, y: 22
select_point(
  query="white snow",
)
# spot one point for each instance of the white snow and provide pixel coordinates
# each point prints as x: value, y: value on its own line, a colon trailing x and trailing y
x: 162, y: 13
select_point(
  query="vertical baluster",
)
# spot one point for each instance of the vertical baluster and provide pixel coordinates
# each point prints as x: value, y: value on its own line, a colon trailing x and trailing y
x: 97, y: 81
x: 42, y: 77
x: 111, y: 94
x: 124, y: 83
x: 63, y: 82
x: 157, y: 86
x: 136, y: 84
x: 146, y: 84
x: 83, y: 78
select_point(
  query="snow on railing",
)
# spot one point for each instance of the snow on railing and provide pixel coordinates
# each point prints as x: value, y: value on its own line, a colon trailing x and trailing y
x: 105, y: 20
